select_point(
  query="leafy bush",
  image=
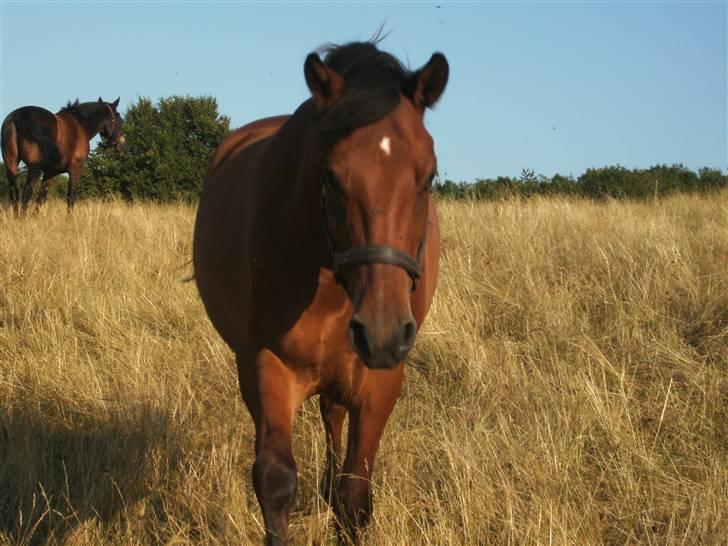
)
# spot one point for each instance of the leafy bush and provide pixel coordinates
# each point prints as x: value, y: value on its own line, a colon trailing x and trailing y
x: 168, y: 147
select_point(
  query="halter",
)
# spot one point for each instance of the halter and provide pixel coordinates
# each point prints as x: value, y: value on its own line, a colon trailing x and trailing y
x: 368, y: 254
x: 113, y: 120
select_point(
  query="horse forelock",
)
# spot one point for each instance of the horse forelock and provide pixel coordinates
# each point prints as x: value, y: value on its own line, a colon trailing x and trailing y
x: 374, y: 82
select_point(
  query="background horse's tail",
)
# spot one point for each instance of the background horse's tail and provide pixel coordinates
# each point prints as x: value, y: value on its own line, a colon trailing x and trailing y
x: 9, y: 144
x: 28, y: 128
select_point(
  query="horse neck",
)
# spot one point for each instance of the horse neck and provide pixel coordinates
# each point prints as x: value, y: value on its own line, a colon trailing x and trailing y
x: 298, y: 177
x: 90, y: 120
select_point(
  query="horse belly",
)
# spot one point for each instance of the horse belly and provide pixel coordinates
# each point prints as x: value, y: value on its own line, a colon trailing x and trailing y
x: 222, y: 273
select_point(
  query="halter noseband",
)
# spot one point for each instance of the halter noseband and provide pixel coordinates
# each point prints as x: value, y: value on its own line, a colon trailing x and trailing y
x: 368, y: 254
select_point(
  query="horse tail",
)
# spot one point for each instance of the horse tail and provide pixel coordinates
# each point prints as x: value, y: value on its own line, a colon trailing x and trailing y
x: 41, y: 134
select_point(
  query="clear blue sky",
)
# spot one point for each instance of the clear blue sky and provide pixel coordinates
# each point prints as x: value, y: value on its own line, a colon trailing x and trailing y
x: 550, y: 86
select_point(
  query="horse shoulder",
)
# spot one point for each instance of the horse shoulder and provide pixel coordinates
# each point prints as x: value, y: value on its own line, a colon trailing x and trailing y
x: 244, y: 137
x: 72, y: 139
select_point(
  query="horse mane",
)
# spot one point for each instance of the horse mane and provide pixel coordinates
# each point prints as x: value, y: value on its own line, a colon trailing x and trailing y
x: 71, y: 105
x: 84, y: 110
x: 374, y: 81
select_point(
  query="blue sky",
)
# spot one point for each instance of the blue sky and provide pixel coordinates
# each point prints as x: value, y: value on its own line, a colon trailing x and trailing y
x: 550, y: 86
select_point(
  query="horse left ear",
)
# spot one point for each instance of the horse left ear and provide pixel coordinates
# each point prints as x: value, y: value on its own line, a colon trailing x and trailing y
x: 115, y: 103
x: 101, y: 100
x: 427, y: 84
x: 324, y: 83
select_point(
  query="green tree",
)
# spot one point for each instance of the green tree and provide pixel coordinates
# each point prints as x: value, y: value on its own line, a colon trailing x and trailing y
x: 167, y: 151
x: 711, y: 179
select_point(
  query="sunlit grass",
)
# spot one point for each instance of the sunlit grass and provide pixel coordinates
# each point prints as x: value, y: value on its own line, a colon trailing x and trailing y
x: 569, y: 386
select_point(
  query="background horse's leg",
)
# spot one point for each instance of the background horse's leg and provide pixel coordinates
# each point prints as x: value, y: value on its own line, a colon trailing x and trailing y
x: 14, y: 192
x: 30, y: 180
x: 43, y: 191
x: 333, y: 415
x: 270, y: 391
x: 74, y: 174
x: 353, y: 505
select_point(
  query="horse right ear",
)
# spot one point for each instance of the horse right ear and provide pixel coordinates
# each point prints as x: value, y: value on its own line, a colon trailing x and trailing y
x: 425, y: 86
x: 101, y: 100
x: 325, y: 84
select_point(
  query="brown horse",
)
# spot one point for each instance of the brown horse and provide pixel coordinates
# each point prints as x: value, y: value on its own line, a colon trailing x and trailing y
x: 316, y: 252
x: 54, y: 144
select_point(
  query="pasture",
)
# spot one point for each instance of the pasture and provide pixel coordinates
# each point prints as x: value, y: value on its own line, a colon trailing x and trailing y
x: 570, y: 385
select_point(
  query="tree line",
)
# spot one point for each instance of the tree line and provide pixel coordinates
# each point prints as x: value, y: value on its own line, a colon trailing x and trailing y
x: 169, y: 145
x: 599, y: 183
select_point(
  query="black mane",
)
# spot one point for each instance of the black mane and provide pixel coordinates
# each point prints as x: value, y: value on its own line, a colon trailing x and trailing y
x: 374, y: 81
x: 84, y: 110
x: 70, y: 105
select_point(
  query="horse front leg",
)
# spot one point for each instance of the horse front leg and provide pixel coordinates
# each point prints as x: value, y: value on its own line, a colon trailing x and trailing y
x: 333, y: 416
x: 272, y: 395
x: 74, y: 175
x: 367, y: 419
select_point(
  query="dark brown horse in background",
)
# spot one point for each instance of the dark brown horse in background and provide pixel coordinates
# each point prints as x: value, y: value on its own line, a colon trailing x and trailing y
x: 54, y: 144
x: 316, y: 252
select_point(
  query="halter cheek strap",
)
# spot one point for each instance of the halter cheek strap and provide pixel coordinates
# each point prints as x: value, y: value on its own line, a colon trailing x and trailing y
x: 113, y: 119
x: 369, y: 254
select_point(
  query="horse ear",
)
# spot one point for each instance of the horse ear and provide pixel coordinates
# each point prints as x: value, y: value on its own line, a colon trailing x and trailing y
x: 101, y: 100
x: 325, y: 84
x: 115, y: 103
x: 426, y: 85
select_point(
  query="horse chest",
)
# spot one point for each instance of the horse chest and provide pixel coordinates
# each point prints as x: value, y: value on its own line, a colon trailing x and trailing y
x: 317, y: 344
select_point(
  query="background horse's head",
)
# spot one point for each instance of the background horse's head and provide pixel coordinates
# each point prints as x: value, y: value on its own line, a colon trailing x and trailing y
x: 112, y: 129
x: 376, y: 174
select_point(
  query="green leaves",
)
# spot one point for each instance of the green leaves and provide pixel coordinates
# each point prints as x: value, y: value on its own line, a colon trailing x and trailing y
x: 614, y: 181
x: 168, y: 147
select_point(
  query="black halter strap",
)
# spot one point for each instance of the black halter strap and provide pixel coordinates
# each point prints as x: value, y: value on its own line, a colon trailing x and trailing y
x: 113, y: 120
x: 369, y: 254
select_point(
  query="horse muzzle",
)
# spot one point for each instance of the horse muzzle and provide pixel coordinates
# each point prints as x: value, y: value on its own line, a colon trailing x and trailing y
x: 382, y: 349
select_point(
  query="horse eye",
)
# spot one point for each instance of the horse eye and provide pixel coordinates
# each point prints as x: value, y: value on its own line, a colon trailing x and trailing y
x: 331, y: 181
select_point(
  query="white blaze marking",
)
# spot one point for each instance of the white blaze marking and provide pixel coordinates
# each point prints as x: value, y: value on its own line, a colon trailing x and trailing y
x: 384, y: 145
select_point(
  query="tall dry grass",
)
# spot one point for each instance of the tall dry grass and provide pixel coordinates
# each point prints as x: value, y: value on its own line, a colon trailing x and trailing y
x: 569, y: 387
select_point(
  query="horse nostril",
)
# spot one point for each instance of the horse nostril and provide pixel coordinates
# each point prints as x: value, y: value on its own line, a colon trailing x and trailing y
x: 407, y: 338
x: 359, y: 338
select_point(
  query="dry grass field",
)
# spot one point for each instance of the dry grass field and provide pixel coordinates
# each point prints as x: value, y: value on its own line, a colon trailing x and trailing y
x: 569, y: 387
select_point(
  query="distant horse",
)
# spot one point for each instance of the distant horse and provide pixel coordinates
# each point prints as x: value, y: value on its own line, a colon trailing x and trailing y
x: 316, y: 250
x: 54, y: 144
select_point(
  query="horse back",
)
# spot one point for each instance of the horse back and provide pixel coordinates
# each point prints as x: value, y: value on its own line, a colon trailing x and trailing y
x: 244, y: 137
